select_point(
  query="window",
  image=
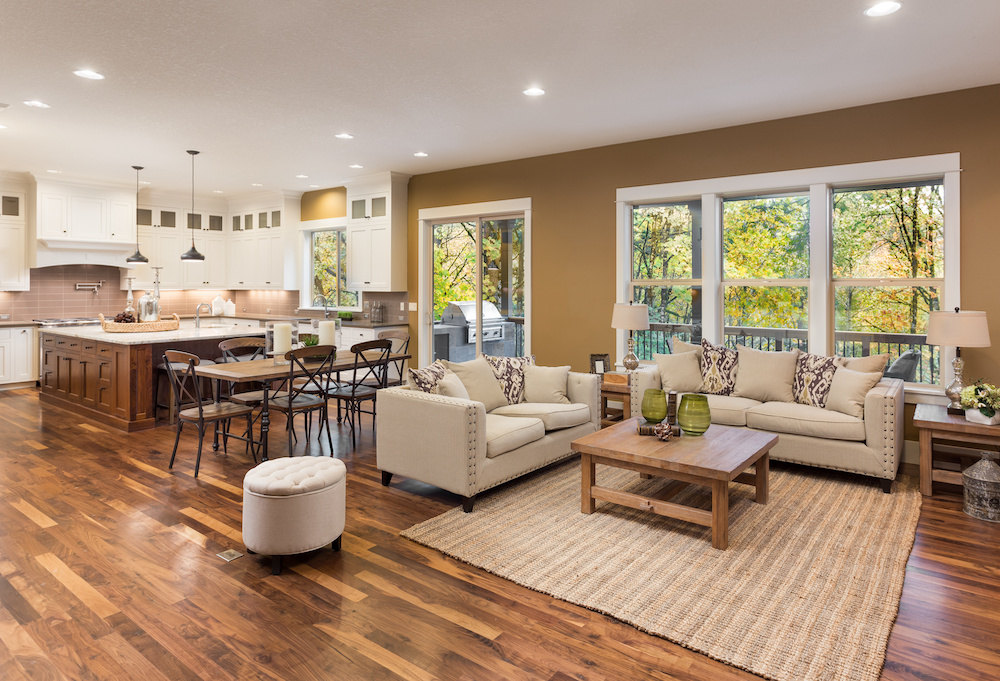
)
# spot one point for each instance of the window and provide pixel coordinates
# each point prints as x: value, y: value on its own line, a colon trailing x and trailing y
x: 329, y: 269
x: 845, y: 260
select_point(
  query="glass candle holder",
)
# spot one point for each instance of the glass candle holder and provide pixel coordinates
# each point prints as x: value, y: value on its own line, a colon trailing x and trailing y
x: 279, y: 338
x: 654, y: 405
x: 693, y: 415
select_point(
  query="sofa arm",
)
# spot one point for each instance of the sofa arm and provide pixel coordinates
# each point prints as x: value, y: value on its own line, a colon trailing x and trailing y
x: 586, y: 389
x: 642, y: 379
x: 884, y: 423
x: 431, y: 438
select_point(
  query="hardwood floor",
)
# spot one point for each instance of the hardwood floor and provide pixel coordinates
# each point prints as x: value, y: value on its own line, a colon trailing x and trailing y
x: 108, y: 570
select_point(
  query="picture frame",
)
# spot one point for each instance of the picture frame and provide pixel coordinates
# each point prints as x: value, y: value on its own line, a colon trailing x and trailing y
x: 600, y: 364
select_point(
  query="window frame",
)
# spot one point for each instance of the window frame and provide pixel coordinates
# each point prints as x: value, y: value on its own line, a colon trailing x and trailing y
x: 818, y: 183
x: 305, y: 287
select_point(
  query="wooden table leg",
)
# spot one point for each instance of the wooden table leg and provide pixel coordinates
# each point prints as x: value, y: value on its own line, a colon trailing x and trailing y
x: 588, y: 470
x: 761, y: 470
x: 926, y: 462
x: 720, y: 514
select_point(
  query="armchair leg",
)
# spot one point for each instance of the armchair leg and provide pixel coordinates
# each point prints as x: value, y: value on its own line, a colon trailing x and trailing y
x: 386, y: 478
x: 275, y: 565
x: 886, y: 486
x: 336, y: 543
x: 468, y: 502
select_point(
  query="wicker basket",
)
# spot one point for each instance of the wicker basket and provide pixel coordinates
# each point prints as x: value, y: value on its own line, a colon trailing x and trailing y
x: 141, y: 327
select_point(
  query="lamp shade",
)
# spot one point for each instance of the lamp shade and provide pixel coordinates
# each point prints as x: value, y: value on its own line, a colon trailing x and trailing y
x: 960, y: 329
x: 630, y: 317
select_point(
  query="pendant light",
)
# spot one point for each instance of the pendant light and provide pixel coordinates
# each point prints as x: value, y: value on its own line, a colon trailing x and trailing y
x: 192, y: 253
x: 137, y: 256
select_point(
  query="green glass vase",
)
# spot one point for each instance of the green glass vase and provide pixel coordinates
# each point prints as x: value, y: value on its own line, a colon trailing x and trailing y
x: 693, y: 415
x: 654, y: 405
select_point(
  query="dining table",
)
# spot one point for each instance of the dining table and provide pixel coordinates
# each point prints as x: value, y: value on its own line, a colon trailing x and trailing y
x: 266, y: 372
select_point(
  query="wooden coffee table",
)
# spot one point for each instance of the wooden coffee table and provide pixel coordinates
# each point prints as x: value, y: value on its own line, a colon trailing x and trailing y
x: 715, y: 459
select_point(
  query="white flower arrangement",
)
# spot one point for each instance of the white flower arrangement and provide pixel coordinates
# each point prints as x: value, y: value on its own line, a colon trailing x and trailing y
x: 982, y: 396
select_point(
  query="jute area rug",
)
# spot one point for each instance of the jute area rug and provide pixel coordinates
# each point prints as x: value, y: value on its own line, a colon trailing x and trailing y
x: 808, y: 588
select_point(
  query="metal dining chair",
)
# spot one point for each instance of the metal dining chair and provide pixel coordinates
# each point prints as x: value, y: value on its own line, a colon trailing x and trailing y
x: 371, y: 361
x: 187, y: 390
x: 403, y: 340
x: 308, y: 378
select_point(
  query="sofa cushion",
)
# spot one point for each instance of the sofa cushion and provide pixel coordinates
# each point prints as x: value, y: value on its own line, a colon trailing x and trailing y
x: 680, y: 372
x: 813, y: 377
x: 718, y: 369
x: 506, y: 433
x: 427, y: 378
x: 478, y: 378
x: 677, y: 347
x: 868, y: 364
x: 510, y: 373
x: 765, y: 376
x: 553, y: 416
x: 545, y: 384
x: 451, y: 385
x: 848, y: 390
x: 728, y: 410
x: 802, y: 419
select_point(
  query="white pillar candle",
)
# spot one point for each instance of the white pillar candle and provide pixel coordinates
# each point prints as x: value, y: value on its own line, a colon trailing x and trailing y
x: 327, y: 333
x: 282, y: 339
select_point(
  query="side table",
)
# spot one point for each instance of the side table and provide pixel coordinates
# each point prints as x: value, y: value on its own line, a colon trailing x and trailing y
x: 935, y: 423
x: 618, y: 392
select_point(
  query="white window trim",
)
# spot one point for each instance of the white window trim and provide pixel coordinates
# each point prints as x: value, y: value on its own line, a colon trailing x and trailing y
x: 818, y: 182
x: 308, y: 228
x: 427, y: 218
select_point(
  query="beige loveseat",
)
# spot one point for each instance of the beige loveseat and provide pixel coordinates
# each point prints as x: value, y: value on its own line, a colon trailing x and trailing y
x: 868, y: 442
x: 456, y: 443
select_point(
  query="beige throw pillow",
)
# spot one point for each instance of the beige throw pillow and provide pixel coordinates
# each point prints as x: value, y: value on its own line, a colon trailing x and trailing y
x: 868, y: 364
x: 680, y: 372
x: 545, y: 384
x: 677, y: 346
x: 765, y: 376
x: 848, y: 390
x: 451, y: 385
x: 479, y: 380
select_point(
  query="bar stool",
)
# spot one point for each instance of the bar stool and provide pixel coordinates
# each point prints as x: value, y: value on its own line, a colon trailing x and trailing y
x: 178, y: 368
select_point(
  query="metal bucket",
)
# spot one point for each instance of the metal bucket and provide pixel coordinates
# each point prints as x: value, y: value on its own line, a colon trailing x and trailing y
x: 982, y: 488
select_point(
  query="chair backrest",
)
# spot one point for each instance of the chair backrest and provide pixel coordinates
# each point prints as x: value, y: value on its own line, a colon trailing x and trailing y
x: 371, y: 361
x: 254, y: 343
x: 310, y: 368
x: 401, y: 347
x: 905, y: 366
x: 185, y: 383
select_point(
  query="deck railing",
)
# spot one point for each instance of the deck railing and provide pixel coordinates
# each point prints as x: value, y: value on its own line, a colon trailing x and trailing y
x: 846, y: 343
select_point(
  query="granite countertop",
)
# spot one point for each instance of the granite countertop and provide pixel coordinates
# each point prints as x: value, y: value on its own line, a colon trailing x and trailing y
x: 210, y: 329
x: 7, y: 325
x: 368, y: 324
x: 257, y: 317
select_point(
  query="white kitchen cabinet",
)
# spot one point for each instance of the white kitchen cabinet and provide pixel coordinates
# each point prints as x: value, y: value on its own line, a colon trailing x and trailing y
x: 82, y: 213
x: 352, y: 335
x: 18, y: 359
x: 211, y: 272
x: 369, y: 257
x: 376, y: 233
x: 242, y: 261
x: 13, y: 258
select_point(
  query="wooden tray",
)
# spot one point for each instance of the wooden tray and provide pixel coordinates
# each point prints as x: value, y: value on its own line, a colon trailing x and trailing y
x: 140, y: 327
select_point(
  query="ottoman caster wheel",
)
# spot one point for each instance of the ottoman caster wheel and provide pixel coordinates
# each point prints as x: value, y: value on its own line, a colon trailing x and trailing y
x: 252, y: 553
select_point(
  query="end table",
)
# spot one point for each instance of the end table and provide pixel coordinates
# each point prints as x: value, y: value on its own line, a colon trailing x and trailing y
x: 935, y: 423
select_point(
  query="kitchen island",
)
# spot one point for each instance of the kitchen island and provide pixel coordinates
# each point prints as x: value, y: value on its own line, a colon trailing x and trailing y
x: 109, y: 377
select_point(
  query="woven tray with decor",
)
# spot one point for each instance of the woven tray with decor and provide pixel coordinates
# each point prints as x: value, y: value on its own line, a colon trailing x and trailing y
x: 140, y: 327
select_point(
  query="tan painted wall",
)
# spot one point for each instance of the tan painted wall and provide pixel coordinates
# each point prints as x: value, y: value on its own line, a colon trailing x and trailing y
x: 324, y: 203
x: 573, y: 194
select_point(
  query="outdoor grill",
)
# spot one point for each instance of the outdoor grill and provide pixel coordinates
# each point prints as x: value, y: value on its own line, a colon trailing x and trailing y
x: 455, y: 334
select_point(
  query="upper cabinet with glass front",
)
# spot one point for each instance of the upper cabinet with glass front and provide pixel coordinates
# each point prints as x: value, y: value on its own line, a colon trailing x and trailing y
x: 13, y: 229
x: 376, y: 233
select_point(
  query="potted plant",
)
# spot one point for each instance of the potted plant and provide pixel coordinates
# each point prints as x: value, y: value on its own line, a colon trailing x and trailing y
x: 981, y: 402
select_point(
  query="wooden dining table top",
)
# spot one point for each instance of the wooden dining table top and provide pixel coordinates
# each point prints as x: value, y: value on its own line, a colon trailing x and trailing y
x: 267, y: 370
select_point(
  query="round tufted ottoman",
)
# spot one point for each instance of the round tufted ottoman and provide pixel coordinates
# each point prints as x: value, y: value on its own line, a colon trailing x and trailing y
x: 293, y: 505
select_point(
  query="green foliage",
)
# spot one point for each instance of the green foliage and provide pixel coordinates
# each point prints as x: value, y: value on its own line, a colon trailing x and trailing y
x: 766, y: 238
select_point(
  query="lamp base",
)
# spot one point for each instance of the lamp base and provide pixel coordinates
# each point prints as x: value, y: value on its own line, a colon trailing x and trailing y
x: 630, y: 361
x: 958, y: 411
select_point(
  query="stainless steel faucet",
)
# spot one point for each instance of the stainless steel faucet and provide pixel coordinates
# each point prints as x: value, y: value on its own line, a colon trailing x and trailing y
x: 326, y: 305
x: 197, y: 314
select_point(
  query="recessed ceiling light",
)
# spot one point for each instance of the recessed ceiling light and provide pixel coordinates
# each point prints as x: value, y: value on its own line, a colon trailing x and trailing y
x: 2, y: 126
x: 88, y: 74
x: 534, y: 92
x: 54, y: 172
x: 216, y: 191
x: 38, y: 105
x: 880, y: 9
x: 302, y: 177
x: 314, y: 186
x: 420, y: 154
x: 344, y: 136
x: 255, y: 184
x: 355, y: 166
x: 144, y: 182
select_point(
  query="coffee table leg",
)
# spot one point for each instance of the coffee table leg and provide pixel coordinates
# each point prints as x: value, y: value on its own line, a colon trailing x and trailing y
x: 926, y: 463
x: 588, y: 503
x: 761, y: 470
x: 720, y: 514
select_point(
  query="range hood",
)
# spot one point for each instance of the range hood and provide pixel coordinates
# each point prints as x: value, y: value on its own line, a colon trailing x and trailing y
x: 53, y: 252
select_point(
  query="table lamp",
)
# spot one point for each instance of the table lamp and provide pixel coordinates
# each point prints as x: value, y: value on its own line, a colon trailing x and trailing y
x: 959, y: 329
x: 630, y: 318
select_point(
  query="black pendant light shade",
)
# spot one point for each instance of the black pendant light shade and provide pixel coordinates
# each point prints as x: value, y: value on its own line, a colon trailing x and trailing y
x: 137, y: 256
x: 192, y: 253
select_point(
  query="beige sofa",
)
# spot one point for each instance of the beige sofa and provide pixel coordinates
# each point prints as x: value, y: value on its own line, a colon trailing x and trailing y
x: 455, y: 444
x: 870, y: 445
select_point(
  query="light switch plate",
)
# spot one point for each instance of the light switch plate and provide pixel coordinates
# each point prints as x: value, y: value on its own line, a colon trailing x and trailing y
x: 413, y: 307
x: 4, y: 317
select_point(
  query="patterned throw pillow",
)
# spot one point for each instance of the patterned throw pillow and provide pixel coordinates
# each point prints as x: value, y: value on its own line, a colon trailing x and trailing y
x: 428, y: 377
x: 510, y: 372
x: 813, y: 378
x: 718, y: 369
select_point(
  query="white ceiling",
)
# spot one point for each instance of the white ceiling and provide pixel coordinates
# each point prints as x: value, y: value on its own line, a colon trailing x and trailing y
x: 261, y: 87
